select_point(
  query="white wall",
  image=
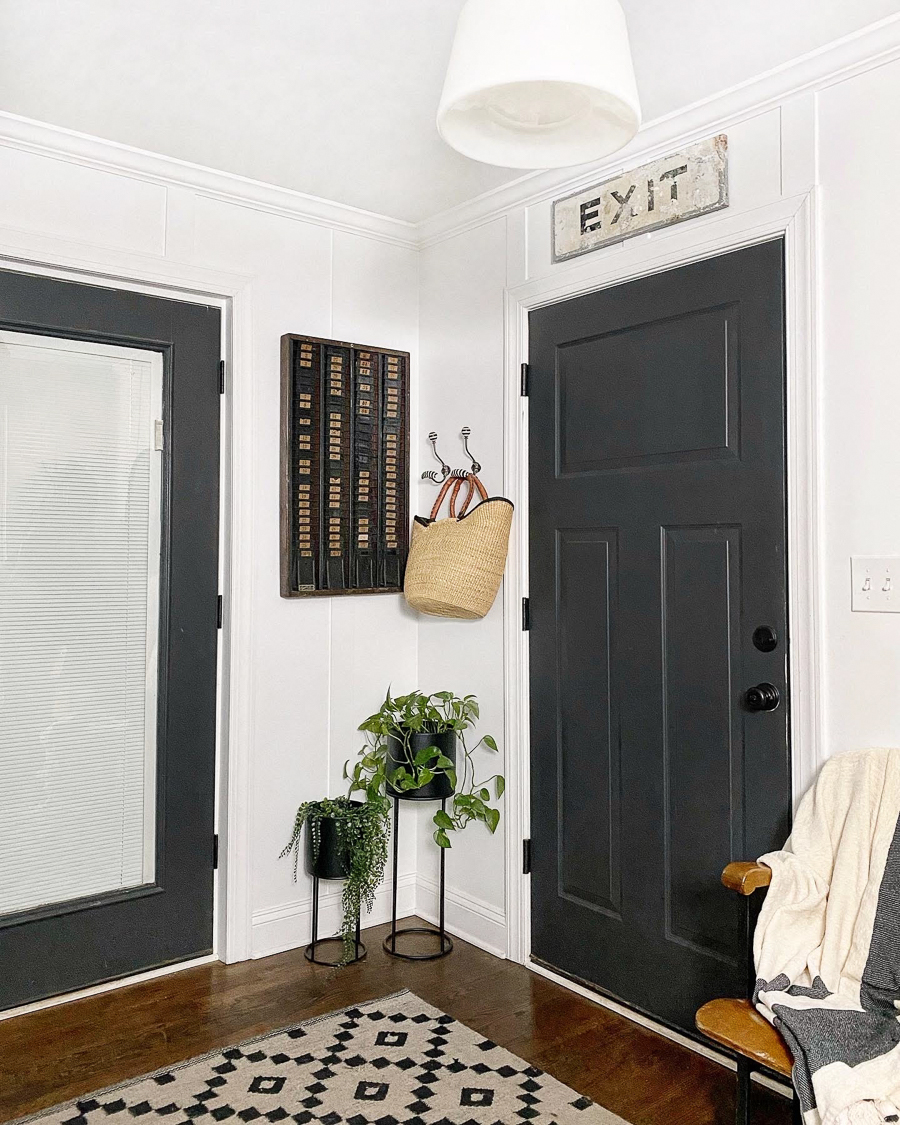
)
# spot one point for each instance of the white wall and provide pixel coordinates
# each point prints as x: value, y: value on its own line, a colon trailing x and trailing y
x: 462, y: 283
x: 858, y: 128
x: 319, y: 666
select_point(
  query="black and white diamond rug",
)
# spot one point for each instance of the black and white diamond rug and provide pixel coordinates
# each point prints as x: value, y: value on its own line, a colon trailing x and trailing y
x: 395, y: 1061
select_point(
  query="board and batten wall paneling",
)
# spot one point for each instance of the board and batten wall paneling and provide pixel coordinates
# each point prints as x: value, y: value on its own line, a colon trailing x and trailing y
x: 461, y: 321
x: 860, y: 486
x: 70, y: 201
x: 315, y: 676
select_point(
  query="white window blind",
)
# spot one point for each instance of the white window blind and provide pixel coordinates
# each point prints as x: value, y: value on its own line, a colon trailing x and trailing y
x: 79, y: 609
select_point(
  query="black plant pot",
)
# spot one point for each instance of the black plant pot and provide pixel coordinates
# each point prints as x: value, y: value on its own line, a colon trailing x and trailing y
x: 331, y: 862
x: 439, y: 787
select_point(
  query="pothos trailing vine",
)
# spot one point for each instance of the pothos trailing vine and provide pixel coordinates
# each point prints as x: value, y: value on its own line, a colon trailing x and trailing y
x: 362, y: 838
x: 399, y: 718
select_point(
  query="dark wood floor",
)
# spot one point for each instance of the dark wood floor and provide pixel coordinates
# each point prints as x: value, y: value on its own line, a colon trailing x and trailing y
x: 62, y: 1052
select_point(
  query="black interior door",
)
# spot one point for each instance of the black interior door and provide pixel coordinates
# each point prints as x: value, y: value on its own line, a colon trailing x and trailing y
x: 657, y: 549
x: 118, y: 340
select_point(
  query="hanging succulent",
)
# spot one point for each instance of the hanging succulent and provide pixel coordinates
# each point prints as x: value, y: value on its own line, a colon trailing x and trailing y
x: 362, y: 833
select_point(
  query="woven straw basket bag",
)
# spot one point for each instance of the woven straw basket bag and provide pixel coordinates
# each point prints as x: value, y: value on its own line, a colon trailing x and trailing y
x: 455, y: 565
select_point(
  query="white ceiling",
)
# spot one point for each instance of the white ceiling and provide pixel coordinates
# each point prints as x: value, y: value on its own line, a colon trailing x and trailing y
x: 336, y: 98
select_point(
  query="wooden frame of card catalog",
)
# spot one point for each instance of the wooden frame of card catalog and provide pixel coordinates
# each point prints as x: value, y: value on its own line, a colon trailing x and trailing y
x: 344, y: 467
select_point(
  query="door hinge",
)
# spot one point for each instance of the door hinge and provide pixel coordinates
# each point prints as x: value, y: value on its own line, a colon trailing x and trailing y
x: 526, y: 857
x: 221, y: 376
x: 219, y: 611
x: 216, y: 852
x: 526, y: 615
x: 526, y: 373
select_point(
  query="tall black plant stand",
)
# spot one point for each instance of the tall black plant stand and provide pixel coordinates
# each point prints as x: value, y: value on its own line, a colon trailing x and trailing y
x: 445, y: 942
x: 310, y: 951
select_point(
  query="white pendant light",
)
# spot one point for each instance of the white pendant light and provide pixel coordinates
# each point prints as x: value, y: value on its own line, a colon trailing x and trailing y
x: 539, y: 83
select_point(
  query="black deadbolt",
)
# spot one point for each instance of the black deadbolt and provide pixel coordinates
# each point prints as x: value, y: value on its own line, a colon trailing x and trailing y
x: 765, y: 638
x: 763, y: 697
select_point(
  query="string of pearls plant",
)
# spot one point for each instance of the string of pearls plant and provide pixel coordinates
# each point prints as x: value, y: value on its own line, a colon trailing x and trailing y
x: 362, y: 832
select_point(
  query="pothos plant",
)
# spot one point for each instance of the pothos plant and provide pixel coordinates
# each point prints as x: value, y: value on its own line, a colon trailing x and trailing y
x: 400, y: 718
x: 362, y: 831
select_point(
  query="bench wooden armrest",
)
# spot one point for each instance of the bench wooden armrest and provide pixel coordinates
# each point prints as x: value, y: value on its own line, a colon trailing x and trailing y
x: 737, y: 1025
x: 745, y: 878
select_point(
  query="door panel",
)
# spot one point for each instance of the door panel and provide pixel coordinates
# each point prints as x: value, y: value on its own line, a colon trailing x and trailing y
x: 588, y: 768
x: 109, y: 582
x: 648, y: 420
x: 701, y: 614
x: 657, y: 545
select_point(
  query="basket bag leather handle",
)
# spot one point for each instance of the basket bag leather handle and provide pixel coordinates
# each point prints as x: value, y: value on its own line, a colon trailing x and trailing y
x: 474, y: 483
x: 455, y: 483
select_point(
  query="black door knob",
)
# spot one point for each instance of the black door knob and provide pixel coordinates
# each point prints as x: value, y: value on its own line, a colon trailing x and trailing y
x: 763, y: 697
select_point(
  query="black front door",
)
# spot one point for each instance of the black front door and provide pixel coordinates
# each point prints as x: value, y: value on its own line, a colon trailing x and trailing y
x: 657, y: 550
x: 109, y: 511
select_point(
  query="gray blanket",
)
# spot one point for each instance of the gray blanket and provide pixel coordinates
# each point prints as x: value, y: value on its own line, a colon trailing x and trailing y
x: 828, y: 943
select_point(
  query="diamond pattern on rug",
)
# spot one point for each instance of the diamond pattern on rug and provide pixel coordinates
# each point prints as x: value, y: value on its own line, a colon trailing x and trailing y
x: 396, y: 1061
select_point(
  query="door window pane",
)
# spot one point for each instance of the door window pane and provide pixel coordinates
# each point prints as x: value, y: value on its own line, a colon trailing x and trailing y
x: 79, y: 609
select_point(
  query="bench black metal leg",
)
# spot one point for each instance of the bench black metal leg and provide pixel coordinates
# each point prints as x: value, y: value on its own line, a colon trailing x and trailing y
x: 797, y: 1111
x: 742, y: 1106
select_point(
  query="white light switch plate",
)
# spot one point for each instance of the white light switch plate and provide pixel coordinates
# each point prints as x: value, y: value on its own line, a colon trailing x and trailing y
x: 875, y: 584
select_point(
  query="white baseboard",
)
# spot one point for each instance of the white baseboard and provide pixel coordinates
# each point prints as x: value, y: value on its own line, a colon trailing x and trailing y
x: 467, y: 917
x: 289, y: 926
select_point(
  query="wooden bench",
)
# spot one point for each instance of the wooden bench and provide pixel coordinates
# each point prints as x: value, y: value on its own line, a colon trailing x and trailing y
x: 736, y: 1024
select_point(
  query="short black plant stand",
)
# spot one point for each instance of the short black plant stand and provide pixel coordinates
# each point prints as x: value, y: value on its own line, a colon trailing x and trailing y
x: 437, y: 789
x: 328, y: 864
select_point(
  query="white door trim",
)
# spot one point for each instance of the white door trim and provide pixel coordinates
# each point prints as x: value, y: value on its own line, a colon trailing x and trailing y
x: 52, y: 257
x: 795, y: 220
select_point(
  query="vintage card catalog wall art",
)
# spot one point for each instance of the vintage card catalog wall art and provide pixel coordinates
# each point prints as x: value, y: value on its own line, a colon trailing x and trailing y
x: 682, y: 186
x: 344, y: 467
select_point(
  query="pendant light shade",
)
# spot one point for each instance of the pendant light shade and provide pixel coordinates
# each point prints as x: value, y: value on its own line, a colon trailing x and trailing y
x: 539, y: 83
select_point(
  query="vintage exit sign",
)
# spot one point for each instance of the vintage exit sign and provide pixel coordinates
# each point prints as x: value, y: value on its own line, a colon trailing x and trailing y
x: 682, y: 186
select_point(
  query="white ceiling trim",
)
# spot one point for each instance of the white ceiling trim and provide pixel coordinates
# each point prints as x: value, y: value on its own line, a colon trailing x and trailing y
x: 124, y: 160
x: 869, y: 47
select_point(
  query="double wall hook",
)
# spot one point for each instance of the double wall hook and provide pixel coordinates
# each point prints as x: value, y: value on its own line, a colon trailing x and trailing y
x: 432, y: 474
x: 446, y: 471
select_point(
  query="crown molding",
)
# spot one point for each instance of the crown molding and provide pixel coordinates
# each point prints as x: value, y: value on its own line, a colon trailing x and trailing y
x: 53, y: 141
x: 871, y: 46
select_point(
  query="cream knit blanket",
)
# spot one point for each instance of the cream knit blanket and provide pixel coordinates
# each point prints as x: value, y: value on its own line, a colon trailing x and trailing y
x: 827, y: 944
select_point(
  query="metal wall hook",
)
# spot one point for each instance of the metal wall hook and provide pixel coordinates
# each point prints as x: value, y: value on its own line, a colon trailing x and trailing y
x: 466, y: 433
x: 433, y: 474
